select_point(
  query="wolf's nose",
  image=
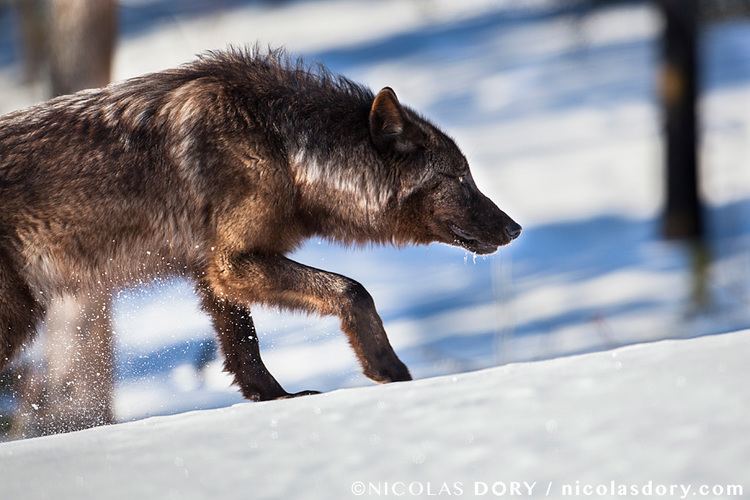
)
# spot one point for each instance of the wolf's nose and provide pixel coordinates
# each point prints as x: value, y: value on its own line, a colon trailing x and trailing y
x: 512, y: 230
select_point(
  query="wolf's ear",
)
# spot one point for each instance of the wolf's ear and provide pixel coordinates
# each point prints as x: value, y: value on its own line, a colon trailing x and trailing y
x: 390, y: 127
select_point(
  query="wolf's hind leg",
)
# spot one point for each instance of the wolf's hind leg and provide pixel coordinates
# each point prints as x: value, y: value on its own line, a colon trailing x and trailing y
x: 20, y: 312
x: 239, y: 343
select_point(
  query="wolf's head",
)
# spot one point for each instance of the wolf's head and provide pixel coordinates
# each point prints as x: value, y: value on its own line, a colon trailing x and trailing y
x: 436, y: 198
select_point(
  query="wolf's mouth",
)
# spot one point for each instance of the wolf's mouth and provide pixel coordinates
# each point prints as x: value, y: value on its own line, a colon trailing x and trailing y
x: 471, y: 242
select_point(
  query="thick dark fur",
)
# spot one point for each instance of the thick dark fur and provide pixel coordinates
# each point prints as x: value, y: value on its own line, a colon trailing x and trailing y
x: 216, y: 170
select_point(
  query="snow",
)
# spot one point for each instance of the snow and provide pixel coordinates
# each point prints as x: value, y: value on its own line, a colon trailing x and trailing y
x: 671, y: 412
x: 558, y: 115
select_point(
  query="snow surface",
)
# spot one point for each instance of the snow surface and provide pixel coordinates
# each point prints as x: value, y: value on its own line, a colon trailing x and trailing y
x: 671, y: 412
x: 557, y: 113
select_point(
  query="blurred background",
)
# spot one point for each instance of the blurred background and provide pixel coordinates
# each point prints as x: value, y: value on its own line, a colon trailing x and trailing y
x: 616, y: 132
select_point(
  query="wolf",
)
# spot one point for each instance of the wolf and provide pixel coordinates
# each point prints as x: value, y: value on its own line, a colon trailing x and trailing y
x: 215, y: 171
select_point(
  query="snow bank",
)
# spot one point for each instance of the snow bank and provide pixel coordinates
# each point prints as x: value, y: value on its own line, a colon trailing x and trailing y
x: 673, y: 412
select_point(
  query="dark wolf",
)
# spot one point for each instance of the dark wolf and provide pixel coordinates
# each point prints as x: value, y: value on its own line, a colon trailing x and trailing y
x: 216, y: 170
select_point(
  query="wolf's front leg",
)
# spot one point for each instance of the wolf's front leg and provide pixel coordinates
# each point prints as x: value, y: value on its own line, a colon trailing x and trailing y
x: 239, y: 344
x: 277, y: 281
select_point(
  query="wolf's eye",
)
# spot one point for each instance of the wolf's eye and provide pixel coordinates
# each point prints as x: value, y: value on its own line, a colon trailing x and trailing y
x: 459, y: 178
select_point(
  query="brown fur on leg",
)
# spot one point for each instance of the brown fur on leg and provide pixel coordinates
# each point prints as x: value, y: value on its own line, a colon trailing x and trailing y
x: 239, y: 343
x: 278, y: 281
x: 19, y: 310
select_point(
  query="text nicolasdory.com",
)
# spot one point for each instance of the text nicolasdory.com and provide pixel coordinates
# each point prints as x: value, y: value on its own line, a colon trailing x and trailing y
x: 534, y: 488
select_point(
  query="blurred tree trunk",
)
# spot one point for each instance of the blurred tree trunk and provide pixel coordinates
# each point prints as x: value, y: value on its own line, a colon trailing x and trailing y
x: 683, y: 215
x: 32, y: 21
x: 73, y: 389
x: 683, y: 218
x: 82, y: 38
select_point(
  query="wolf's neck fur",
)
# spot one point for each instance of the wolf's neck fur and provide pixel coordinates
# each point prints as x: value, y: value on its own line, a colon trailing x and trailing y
x: 328, y: 186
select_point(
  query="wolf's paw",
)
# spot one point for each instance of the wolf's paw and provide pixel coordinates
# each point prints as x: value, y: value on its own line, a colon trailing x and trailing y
x: 298, y: 394
x: 393, y: 371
